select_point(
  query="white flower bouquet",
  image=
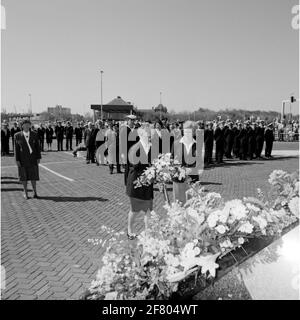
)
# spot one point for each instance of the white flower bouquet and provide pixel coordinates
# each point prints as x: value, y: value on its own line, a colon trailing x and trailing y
x: 191, y: 239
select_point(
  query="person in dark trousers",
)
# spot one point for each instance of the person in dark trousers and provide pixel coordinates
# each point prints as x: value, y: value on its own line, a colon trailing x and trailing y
x: 208, y: 143
x: 49, y: 136
x: 5, y: 135
x: 13, y: 131
x: 89, y: 141
x: 228, y: 140
x: 251, y: 141
x: 69, y: 136
x: 236, y: 141
x: 243, y: 137
x: 41, y: 135
x: 269, y: 138
x: 59, y: 132
x: 219, y: 138
x: 259, y: 136
x: 78, y: 134
x: 27, y: 156
x: 116, y: 129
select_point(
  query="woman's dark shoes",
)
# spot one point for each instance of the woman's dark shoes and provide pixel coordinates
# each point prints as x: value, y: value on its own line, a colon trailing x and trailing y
x: 131, y: 236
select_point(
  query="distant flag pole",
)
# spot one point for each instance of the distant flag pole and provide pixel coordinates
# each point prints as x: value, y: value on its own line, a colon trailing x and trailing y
x: 101, y: 72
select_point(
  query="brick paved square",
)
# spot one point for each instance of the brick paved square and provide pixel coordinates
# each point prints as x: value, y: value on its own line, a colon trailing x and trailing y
x: 45, y: 247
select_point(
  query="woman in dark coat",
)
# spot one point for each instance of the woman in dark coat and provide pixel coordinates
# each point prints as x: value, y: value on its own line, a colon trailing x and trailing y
x: 27, y: 156
x: 141, y: 198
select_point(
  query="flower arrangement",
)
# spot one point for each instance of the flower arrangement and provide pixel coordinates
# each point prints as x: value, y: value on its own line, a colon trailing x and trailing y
x: 163, y: 170
x: 192, y: 238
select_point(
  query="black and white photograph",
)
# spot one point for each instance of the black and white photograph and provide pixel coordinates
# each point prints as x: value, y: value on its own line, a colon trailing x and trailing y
x: 150, y: 151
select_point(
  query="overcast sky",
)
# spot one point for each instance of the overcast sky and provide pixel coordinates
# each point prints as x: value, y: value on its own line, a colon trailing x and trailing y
x: 198, y: 53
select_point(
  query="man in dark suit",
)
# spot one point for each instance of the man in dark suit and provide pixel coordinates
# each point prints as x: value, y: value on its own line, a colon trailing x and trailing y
x: 5, y: 135
x: 13, y: 131
x: 59, y: 132
x: 78, y: 134
x: 89, y: 141
x: 269, y: 138
x: 259, y: 136
x: 41, y: 134
x: 69, y: 136
x: 27, y: 156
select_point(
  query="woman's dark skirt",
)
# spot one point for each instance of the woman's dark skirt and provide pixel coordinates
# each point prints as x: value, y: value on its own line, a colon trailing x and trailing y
x: 141, y: 199
x: 29, y: 173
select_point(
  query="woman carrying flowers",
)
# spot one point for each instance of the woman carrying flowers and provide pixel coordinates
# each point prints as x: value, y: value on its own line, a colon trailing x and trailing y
x: 141, y: 199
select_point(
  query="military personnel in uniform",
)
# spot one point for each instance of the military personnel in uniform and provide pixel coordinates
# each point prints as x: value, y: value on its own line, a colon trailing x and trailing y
x: 236, y: 141
x: 59, y: 132
x: 243, y: 141
x: 228, y: 140
x: 219, y: 138
x: 259, y: 136
x: 208, y: 143
x: 69, y: 136
x: 269, y: 138
x: 251, y: 140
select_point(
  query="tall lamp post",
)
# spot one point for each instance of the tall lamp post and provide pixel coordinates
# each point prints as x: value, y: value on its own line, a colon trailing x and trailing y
x: 101, y: 73
x: 30, y: 104
x: 160, y: 105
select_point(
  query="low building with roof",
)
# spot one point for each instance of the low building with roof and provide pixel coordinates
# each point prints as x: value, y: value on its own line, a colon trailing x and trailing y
x: 117, y: 109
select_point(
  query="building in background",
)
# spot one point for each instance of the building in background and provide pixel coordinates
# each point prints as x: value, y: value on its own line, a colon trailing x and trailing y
x: 59, y: 111
x: 117, y: 109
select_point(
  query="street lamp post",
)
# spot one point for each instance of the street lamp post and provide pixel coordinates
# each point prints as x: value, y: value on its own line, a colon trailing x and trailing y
x: 30, y: 104
x: 101, y: 72
x: 160, y: 105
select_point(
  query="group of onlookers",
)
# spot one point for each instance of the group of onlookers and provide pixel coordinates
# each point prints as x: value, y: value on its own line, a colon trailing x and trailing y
x: 239, y: 139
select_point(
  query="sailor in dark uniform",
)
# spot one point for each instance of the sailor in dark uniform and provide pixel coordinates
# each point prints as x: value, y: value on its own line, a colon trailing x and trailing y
x: 251, y: 141
x: 228, y: 139
x: 219, y: 138
x: 59, y: 132
x: 259, y: 136
x: 269, y: 138
x: 208, y: 143
x: 243, y: 141
x: 236, y: 141
x: 69, y: 136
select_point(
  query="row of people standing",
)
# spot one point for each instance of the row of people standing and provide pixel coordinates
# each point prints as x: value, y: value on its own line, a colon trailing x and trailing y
x: 240, y: 140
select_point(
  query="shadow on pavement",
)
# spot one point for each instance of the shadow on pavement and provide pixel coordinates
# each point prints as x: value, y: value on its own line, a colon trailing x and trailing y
x: 203, y: 183
x: 13, y: 178
x: 12, y: 189
x: 10, y: 182
x: 72, y: 199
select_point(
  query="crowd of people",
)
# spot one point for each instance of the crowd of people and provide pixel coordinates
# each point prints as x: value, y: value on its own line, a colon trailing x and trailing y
x: 241, y: 139
x: 103, y: 142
